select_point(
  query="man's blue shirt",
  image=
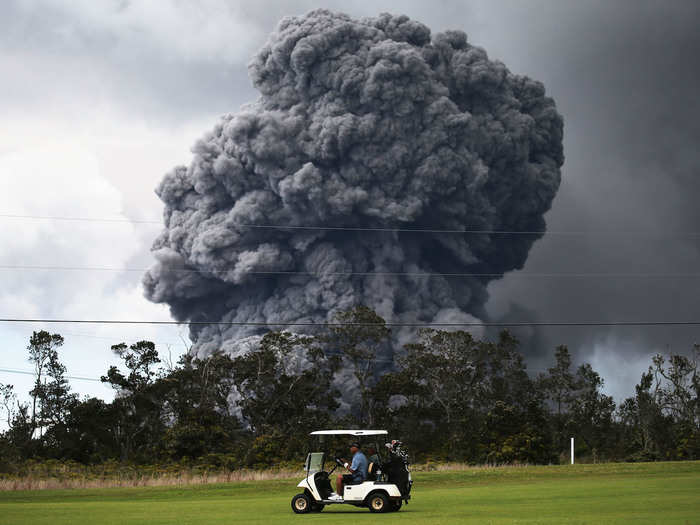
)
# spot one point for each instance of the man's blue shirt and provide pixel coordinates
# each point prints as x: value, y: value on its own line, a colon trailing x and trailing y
x: 359, y: 465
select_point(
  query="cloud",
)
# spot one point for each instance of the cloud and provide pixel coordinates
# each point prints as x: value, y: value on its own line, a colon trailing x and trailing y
x: 61, y: 177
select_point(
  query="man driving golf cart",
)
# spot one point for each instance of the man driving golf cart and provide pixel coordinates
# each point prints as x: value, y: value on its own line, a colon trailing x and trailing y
x: 358, y: 471
x: 382, y: 487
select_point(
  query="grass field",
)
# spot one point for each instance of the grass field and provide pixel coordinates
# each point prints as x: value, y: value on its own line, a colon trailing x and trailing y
x: 604, y: 493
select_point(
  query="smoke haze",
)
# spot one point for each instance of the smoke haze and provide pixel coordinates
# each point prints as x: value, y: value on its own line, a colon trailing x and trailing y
x: 361, y: 123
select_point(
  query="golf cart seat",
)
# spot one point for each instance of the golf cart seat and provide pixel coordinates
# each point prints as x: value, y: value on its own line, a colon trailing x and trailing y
x: 372, y: 471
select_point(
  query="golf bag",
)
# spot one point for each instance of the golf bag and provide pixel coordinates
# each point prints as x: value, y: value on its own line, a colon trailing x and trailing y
x: 396, y: 468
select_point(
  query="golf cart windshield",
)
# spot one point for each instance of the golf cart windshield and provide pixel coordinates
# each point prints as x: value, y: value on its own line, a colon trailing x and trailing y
x: 314, y: 462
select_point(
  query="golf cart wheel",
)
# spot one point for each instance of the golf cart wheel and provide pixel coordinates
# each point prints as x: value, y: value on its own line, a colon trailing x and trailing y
x: 301, y: 504
x: 396, y: 505
x: 378, y: 502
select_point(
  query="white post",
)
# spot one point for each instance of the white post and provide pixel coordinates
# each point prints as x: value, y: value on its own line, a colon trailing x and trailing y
x: 572, y: 451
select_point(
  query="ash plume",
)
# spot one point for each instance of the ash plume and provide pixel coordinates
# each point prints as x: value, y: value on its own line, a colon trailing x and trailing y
x: 361, y: 123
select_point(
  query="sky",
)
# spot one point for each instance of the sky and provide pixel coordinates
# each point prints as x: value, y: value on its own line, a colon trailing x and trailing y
x: 99, y: 99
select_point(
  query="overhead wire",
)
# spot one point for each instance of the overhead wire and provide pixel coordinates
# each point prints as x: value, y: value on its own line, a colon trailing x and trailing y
x: 612, y: 275
x: 79, y: 219
x: 395, y: 324
x: 468, y: 230
x: 354, y: 229
x: 92, y: 379
x: 29, y: 372
x: 503, y: 324
x: 105, y: 338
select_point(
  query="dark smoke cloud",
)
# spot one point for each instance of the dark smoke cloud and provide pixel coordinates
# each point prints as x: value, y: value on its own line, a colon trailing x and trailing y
x: 366, y: 122
x: 626, y: 76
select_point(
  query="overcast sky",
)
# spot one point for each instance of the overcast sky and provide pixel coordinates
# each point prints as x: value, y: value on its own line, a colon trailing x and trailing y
x: 99, y: 99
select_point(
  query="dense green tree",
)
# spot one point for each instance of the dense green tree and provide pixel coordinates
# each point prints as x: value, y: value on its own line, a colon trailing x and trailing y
x: 8, y: 410
x: 43, y: 355
x: 359, y: 336
x: 89, y: 437
x: 8, y: 399
x: 558, y: 386
x: 662, y: 421
x: 196, y: 400
x: 591, y: 411
x: 471, y: 399
x: 450, y: 396
x: 679, y: 386
x: 285, y: 384
x: 137, y: 424
x: 56, y: 402
x: 19, y: 434
x: 648, y: 428
x: 516, y: 425
x: 559, y: 383
x: 435, y: 392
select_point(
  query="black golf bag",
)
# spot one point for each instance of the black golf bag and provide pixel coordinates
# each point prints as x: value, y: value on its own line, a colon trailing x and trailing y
x: 396, y: 469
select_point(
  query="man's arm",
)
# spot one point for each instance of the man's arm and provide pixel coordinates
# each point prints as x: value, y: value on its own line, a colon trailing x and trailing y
x: 348, y: 466
x: 355, y: 464
x: 343, y: 462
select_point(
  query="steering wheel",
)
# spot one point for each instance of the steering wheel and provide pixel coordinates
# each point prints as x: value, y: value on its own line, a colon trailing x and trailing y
x: 338, y: 463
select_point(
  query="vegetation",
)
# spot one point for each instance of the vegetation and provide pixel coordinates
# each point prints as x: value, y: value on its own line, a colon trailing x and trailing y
x: 603, y: 493
x: 449, y: 397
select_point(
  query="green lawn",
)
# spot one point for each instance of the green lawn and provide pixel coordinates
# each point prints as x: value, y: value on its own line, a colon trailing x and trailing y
x: 610, y: 493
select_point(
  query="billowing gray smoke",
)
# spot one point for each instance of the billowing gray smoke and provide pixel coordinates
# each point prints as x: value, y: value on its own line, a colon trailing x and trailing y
x: 369, y: 123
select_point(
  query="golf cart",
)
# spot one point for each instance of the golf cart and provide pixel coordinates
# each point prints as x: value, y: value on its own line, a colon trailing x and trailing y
x: 388, y: 483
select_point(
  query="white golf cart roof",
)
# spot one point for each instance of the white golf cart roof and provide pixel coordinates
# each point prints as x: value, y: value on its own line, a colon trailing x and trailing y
x: 349, y: 433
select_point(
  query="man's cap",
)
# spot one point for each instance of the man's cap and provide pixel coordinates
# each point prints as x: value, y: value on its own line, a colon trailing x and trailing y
x: 355, y: 444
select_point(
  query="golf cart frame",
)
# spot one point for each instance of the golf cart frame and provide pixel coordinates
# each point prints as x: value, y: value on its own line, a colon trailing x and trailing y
x: 383, y: 491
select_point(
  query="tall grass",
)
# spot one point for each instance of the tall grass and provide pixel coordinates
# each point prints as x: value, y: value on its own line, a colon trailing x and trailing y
x: 70, y: 475
x: 35, y: 482
x: 39, y: 475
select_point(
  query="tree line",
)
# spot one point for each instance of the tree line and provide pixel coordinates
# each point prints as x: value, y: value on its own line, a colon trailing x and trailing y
x: 448, y: 396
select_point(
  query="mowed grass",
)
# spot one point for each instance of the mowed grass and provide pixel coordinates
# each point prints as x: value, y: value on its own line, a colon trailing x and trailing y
x: 604, y: 493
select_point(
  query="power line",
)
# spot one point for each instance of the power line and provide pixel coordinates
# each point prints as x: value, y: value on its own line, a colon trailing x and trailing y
x: 369, y: 229
x: 105, y: 338
x: 365, y: 274
x: 466, y: 231
x: 79, y: 219
x: 92, y: 379
x: 335, y: 324
x: 29, y: 372
x: 403, y: 230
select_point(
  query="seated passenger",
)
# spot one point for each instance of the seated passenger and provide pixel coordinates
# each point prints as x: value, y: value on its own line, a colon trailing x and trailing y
x: 373, y: 456
x: 374, y: 463
x: 358, y: 470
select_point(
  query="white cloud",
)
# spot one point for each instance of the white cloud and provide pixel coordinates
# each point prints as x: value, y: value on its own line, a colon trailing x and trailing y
x: 189, y: 31
x: 52, y: 172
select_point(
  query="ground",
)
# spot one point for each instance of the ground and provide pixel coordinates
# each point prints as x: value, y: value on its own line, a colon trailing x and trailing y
x: 604, y: 493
